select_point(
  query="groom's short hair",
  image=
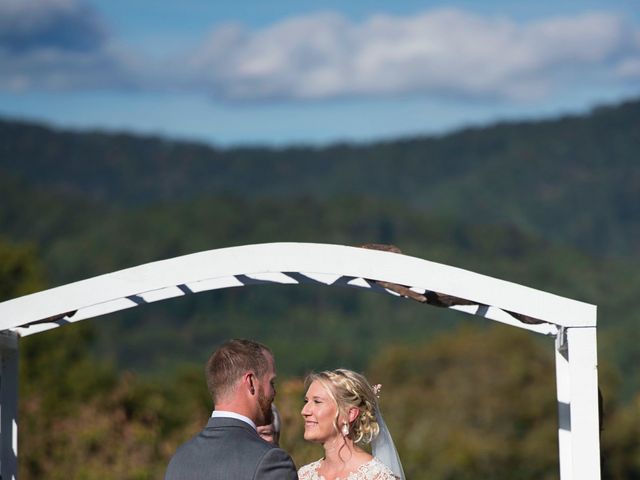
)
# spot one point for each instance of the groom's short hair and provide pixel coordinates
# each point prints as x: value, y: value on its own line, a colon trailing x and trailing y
x: 230, y: 361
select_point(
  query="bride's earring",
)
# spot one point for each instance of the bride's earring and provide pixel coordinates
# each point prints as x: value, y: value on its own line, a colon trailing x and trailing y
x: 345, y: 429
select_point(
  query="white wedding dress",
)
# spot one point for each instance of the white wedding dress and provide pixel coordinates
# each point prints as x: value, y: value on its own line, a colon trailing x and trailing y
x: 374, y: 469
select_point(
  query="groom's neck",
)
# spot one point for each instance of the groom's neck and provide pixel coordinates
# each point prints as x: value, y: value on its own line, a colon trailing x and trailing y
x: 238, y: 405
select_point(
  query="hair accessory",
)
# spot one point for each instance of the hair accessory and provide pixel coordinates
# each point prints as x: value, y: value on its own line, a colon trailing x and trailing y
x: 376, y: 389
x: 345, y: 429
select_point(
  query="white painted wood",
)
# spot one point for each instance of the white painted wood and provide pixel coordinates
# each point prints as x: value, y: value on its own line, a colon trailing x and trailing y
x: 161, y: 294
x: 358, y: 282
x: 501, y: 316
x: 214, y: 284
x: 585, y: 427
x: 563, y: 387
x: 8, y: 405
x: 578, y: 411
x: 32, y: 330
x: 274, y: 277
x: 105, y: 292
x: 490, y: 313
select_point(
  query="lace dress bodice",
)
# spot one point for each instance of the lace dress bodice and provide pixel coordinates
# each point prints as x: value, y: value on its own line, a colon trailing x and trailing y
x: 374, y: 469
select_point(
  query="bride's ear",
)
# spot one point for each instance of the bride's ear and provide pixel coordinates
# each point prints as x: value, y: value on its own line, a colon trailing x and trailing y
x: 353, y: 413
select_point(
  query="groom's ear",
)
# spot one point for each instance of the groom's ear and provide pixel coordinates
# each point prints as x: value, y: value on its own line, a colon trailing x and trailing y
x: 247, y: 382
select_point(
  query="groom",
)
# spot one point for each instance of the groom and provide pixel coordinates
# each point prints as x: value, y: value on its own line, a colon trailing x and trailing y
x: 240, y: 376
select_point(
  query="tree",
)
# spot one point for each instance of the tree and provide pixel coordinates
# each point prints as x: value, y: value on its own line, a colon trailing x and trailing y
x: 474, y: 403
x: 20, y: 271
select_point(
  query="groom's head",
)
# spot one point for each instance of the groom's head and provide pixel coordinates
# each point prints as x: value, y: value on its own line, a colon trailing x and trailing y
x: 240, y: 375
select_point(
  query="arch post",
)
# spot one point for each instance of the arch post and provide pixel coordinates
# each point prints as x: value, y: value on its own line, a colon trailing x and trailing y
x: 578, y: 407
x: 8, y: 405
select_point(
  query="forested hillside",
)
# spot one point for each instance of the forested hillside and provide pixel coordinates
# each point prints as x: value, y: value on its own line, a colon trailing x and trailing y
x: 551, y: 204
x: 572, y: 179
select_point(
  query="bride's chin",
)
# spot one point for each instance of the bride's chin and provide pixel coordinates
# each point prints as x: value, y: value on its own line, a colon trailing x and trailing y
x: 311, y: 437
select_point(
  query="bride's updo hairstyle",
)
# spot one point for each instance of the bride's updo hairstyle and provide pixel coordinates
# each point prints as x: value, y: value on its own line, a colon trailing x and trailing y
x: 350, y: 389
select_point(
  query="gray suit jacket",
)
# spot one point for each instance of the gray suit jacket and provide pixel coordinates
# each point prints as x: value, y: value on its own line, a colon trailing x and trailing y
x: 229, y: 449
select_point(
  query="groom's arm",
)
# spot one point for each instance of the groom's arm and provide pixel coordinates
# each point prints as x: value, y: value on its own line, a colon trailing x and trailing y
x: 276, y: 464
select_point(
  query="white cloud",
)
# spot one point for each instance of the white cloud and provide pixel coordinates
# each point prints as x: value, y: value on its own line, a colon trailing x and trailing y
x: 65, y: 24
x: 441, y: 52
x: 57, y: 45
x: 63, y: 44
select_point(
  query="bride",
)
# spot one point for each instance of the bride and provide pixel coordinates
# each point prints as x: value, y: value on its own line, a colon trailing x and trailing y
x: 341, y: 412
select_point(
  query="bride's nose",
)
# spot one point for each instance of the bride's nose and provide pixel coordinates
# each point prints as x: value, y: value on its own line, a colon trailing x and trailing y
x: 304, y: 411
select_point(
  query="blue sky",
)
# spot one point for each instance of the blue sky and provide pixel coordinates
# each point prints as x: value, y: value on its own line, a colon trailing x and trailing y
x: 296, y: 71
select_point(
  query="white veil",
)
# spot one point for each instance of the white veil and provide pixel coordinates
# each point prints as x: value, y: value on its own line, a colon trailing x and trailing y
x: 383, y: 448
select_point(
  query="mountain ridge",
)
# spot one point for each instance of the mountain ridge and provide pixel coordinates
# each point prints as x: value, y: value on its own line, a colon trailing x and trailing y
x: 573, y: 179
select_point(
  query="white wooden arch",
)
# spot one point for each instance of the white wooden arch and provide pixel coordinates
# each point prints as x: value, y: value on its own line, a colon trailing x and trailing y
x: 570, y: 322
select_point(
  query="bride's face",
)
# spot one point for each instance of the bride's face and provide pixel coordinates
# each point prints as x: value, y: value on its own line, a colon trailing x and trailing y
x: 319, y: 414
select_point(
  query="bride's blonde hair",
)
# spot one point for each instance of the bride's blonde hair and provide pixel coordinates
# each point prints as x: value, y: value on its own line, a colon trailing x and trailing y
x: 350, y: 389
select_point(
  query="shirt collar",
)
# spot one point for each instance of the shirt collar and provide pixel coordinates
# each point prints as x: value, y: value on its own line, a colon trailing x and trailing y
x: 237, y: 416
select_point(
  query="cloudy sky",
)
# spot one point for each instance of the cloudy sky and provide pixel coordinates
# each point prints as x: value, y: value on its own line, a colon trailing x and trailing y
x: 302, y: 71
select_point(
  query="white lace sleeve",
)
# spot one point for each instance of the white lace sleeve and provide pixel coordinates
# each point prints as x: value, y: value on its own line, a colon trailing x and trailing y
x: 309, y: 471
x: 375, y: 470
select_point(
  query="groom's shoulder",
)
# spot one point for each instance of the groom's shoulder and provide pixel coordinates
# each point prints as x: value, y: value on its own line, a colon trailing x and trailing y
x: 248, y: 456
x: 277, y: 464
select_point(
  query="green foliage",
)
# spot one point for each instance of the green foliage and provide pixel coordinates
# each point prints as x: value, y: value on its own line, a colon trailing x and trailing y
x: 82, y: 419
x: 20, y: 271
x: 573, y: 179
x: 475, y: 403
x: 59, y: 363
x: 620, y: 445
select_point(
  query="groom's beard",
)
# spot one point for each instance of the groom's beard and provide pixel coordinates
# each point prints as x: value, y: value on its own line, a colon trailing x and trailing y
x: 265, y: 407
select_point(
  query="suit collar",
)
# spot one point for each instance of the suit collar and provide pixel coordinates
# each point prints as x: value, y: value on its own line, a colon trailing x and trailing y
x: 237, y: 416
x: 218, y: 422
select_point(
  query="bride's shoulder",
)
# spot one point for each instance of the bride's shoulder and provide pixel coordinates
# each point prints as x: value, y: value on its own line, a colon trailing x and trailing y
x: 376, y: 470
x: 308, y: 471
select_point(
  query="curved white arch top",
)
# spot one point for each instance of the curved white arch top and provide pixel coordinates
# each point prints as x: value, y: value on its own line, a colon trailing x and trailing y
x: 292, y: 263
x: 572, y: 323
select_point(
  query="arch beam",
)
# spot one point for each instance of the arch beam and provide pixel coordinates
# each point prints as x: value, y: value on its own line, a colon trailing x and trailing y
x: 320, y: 263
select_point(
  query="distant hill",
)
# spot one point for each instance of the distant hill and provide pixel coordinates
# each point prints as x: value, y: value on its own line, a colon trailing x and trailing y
x: 551, y: 204
x: 573, y: 179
